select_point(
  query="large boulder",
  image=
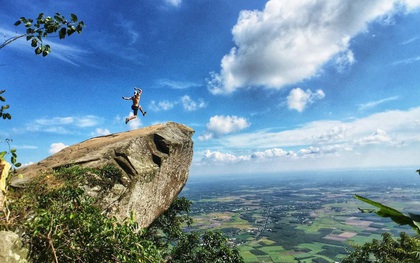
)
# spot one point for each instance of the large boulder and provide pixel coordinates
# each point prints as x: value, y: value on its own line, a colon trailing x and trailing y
x: 154, y: 162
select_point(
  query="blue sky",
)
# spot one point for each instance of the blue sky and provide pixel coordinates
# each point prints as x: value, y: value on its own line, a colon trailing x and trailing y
x: 268, y: 86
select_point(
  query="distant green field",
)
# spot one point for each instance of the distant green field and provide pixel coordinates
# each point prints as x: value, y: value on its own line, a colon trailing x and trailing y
x: 297, y: 222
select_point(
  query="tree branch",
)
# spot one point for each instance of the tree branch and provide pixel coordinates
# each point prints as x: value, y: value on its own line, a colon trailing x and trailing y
x: 10, y: 40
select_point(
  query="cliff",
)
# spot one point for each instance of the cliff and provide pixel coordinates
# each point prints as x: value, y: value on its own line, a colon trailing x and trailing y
x: 154, y: 162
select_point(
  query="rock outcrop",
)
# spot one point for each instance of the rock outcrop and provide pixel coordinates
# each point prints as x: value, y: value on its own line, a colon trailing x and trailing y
x: 154, y: 162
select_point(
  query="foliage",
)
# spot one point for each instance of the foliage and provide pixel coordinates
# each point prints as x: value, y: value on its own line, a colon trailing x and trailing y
x: 67, y: 226
x: 4, y: 108
x: 177, y: 246
x: 37, y: 30
x: 169, y: 226
x: 5, y: 175
x: 62, y: 224
x: 209, y: 246
x: 13, y: 155
x: 404, y: 250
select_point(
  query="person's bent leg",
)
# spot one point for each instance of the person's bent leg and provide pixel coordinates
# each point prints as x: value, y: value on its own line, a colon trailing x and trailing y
x: 141, y: 110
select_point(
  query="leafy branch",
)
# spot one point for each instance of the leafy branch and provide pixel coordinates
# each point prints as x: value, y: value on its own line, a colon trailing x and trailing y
x: 37, y: 30
x: 4, y: 107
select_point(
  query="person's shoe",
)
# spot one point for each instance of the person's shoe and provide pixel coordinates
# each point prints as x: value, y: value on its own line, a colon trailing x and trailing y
x: 126, y: 120
x: 144, y: 113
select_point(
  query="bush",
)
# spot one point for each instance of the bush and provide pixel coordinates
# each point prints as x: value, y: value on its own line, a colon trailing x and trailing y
x: 404, y: 250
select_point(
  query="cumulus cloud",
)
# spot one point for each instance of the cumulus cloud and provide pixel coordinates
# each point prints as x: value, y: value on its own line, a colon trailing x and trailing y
x: 221, y: 125
x: 190, y: 105
x: 289, y: 41
x: 271, y: 153
x: 56, y: 147
x: 377, y: 137
x: 299, y: 99
x: 161, y: 105
x: 134, y: 123
x: 222, y: 158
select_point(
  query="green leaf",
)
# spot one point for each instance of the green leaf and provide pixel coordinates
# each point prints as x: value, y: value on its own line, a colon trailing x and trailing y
x: 18, y: 23
x: 38, y: 51
x: 2, y: 99
x: 366, y: 211
x: 71, y: 30
x: 62, y: 33
x: 386, y: 211
x: 73, y: 18
x: 34, y: 42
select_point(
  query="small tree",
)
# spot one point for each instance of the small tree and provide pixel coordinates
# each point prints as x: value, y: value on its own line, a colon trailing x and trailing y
x: 167, y: 232
x: 404, y: 250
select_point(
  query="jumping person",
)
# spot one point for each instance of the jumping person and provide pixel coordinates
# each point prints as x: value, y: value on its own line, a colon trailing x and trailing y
x: 136, y: 106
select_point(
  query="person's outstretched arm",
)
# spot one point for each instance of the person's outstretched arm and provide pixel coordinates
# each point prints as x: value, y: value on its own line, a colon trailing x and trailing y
x: 126, y: 98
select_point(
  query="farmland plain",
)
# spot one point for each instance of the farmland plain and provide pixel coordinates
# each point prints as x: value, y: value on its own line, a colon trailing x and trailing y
x: 300, y: 217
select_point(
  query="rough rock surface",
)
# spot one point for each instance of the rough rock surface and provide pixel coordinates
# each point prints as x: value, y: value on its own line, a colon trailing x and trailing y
x: 11, y: 249
x: 154, y: 162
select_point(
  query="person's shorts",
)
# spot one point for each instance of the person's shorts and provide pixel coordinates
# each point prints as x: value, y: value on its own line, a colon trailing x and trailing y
x: 135, y: 109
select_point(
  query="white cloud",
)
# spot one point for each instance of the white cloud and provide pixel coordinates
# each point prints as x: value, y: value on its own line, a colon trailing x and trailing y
x: 26, y: 147
x: 271, y: 153
x: 85, y: 121
x: 401, y: 126
x: 221, y: 125
x: 135, y: 123
x: 190, y: 105
x: 289, y: 41
x: 217, y: 157
x: 101, y: 131
x: 377, y: 137
x: 161, y: 105
x: 299, y: 99
x: 173, y: 84
x: 128, y: 28
x: 56, y: 147
x: 63, y: 125
x: 185, y: 101
x: 174, y: 2
x: 373, y: 104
